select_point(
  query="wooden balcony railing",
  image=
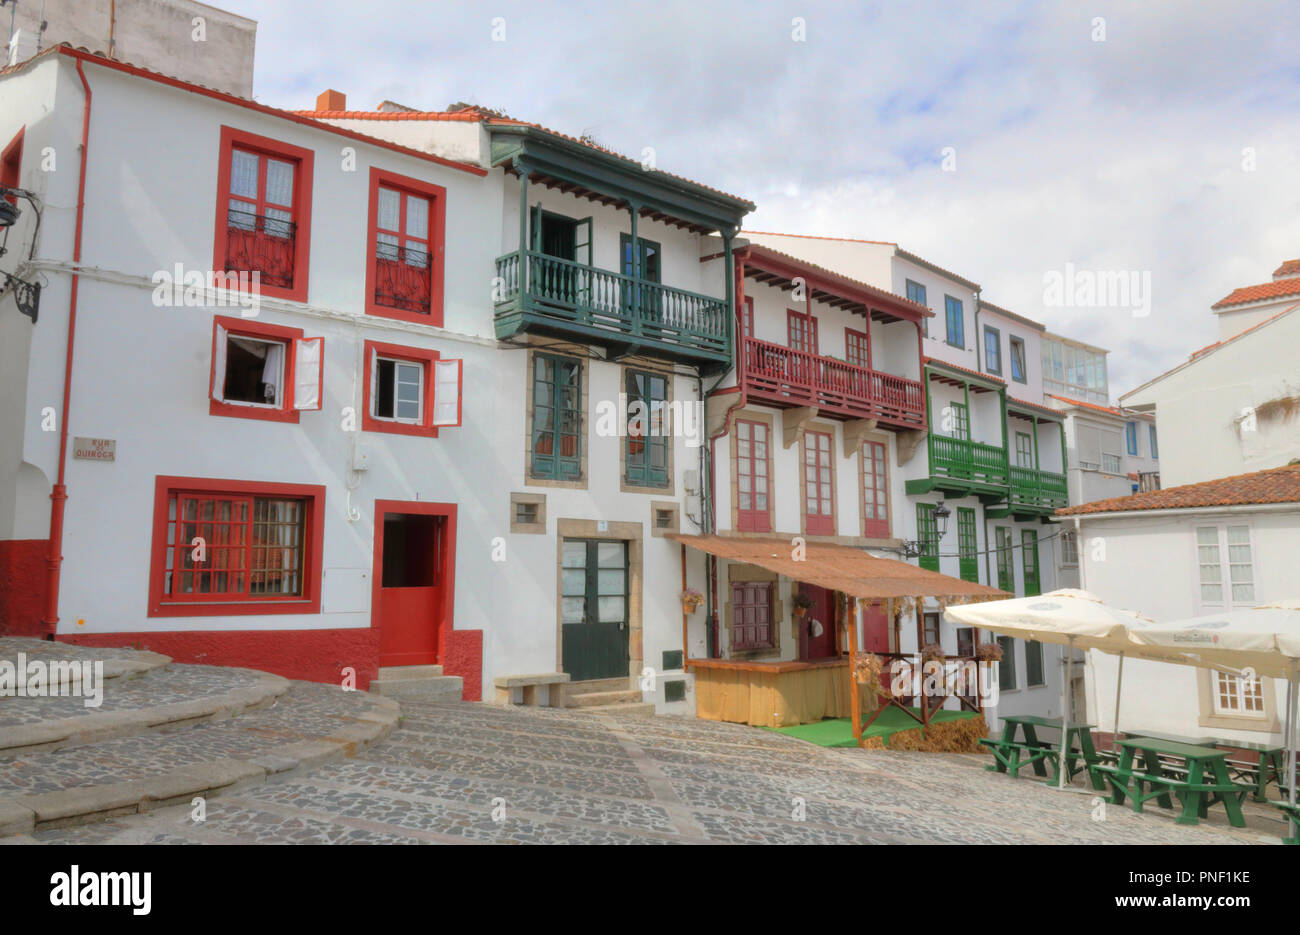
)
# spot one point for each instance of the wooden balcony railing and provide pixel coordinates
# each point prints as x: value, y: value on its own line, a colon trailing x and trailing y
x: 963, y: 459
x: 1038, y: 488
x: 798, y: 378
x: 561, y: 291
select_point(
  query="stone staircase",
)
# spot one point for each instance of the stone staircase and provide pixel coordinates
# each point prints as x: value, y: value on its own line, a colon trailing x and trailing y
x: 425, y: 684
x: 607, y: 696
x: 162, y: 734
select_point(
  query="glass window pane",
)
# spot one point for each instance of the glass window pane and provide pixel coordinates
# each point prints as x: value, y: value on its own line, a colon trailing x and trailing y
x: 610, y: 555
x: 243, y: 174
x: 279, y: 182
x: 573, y: 582
x: 389, y: 209
x: 574, y: 553
x: 610, y: 581
x: 572, y: 609
x: 611, y: 609
x: 417, y: 217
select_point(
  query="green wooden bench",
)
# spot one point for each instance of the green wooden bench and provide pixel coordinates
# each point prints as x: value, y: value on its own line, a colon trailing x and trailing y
x: 1204, y: 781
x: 1011, y: 755
x: 1293, y: 813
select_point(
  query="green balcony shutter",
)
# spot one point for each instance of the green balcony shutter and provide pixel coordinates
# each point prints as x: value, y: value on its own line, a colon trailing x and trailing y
x: 646, y: 457
x: 1006, y: 577
x: 557, y: 418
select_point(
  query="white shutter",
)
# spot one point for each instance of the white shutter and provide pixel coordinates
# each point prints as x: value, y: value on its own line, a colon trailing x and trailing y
x: 446, y: 392
x: 308, y: 357
x: 1089, y: 446
x: 219, y: 366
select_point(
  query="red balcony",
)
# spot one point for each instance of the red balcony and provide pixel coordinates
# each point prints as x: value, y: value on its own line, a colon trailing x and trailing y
x: 784, y: 377
x: 262, y: 245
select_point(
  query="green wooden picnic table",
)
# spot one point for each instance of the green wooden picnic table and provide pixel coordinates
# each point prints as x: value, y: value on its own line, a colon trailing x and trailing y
x: 1269, y: 757
x: 1206, y: 783
x: 1011, y: 755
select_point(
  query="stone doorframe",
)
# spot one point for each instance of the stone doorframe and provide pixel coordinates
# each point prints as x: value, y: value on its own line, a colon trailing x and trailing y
x: 631, y: 533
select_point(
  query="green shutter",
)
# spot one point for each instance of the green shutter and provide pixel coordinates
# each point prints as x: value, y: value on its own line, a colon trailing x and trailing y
x: 1006, y: 577
x: 927, y: 532
x: 557, y: 418
x: 646, y: 458
x: 1029, y: 561
x: 966, y: 544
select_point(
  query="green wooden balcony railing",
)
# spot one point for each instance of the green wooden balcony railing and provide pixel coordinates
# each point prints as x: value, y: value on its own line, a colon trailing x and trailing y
x: 1038, y: 488
x: 962, y: 459
x: 538, y: 286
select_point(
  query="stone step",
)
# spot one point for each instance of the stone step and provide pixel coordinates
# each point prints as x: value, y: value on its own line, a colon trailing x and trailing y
x: 79, y: 783
x: 408, y: 672
x: 623, y: 709
x: 598, y: 685
x: 595, y: 699
x: 132, y: 703
x: 436, y: 688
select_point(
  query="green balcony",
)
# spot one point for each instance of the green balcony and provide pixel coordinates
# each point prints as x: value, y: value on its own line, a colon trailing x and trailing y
x: 543, y: 294
x: 963, y: 467
x: 1032, y: 494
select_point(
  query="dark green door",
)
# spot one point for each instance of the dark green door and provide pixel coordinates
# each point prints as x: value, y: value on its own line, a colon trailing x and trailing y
x: 1029, y: 561
x: 594, y: 626
x: 966, y: 545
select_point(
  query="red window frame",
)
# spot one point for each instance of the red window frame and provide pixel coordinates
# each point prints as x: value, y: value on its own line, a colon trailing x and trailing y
x: 857, y: 348
x: 747, y: 317
x: 436, y: 241
x: 285, y: 411
x: 163, y: 605
x: 415, y: 355
x: 875, y: 490
x: 801, y: 331
x: 11, y: 163
x: 754, y: 519
x: 821, y: 445
x: 750, y: 601
x: 232, y: 139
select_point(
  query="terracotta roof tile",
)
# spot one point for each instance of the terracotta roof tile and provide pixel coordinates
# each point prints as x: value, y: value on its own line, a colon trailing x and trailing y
x: 975, y: 373
x: 1266, y: 290
x: 1277, y: 485
x: 1289, y: 268
x: 755, y: 253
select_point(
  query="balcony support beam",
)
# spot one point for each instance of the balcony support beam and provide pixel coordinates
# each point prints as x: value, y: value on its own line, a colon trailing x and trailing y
x: 794, y: 421
x: 908, y: 442
x: 855, y: 433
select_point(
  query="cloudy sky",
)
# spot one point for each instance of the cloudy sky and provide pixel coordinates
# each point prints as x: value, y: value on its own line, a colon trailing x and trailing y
x: 1168, y: 148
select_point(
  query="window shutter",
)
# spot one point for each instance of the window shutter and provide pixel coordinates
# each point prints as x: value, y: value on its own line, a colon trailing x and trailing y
x: 219, y: 365
x: 308, y: 372
x: 1089, y: 445
x: 446, y: 392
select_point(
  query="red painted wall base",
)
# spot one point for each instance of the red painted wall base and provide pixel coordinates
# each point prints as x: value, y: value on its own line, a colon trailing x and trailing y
x: 22, y: 586
x: 309, y: 655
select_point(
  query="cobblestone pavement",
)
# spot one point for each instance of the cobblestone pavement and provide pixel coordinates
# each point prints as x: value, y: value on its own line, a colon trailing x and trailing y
x: 462, y: 773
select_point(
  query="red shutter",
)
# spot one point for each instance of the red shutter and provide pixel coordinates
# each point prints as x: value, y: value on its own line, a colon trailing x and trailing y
x: 819, y: 484
x: 875, y: 491
x: 753, y: 491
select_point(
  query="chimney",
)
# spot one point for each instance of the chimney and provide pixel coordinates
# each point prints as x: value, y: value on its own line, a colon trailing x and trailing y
x: 331, y: 100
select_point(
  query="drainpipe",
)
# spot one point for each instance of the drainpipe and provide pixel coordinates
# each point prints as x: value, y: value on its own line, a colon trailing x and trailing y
x: 735, y: 295
x: 59, y: 494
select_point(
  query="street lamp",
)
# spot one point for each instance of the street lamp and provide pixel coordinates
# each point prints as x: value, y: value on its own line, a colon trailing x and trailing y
x: 912, y: 548
x: 27, y: 295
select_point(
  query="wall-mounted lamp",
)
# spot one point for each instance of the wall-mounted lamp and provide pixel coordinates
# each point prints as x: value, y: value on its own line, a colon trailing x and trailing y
x: 26, y: 294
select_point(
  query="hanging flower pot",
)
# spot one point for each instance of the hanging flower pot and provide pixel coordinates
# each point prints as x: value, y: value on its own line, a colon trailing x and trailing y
x: 800, y: 603
x: 691, y: 600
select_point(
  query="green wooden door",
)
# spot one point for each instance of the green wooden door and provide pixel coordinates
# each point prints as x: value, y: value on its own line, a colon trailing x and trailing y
x: 594, y: 625
x: 1029, y: 561
x: 1006, y: 576
x: 967, y: 548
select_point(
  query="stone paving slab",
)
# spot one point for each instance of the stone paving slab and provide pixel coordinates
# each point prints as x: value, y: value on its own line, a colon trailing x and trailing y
x: 561, y: 777
x: 118, y: 662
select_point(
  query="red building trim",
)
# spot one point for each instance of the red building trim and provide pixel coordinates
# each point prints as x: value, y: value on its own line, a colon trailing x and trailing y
x: 22, y: 586
x: 400, y: 352
x: 285, y: 411
x: 11, y: 163
x: 310, y: 655
x: 313, y: 538
x: 437, y: 197
x: 303, y: 160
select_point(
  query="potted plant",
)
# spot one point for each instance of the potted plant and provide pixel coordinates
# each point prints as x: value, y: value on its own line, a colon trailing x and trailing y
x: 988, y: 652
x: 691, y: 600
x: 801, y: 602
x: 932, y: 652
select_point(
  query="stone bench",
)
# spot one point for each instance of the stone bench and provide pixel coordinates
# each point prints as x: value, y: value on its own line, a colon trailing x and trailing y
x: 531, y: 689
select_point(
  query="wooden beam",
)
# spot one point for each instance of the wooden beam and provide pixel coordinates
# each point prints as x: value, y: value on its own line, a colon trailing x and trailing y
x: 855, y: 701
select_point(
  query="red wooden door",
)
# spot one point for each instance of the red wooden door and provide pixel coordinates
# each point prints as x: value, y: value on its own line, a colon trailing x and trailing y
x: 410, y: 552
x: 818, y: 633
x: 875, y: 629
